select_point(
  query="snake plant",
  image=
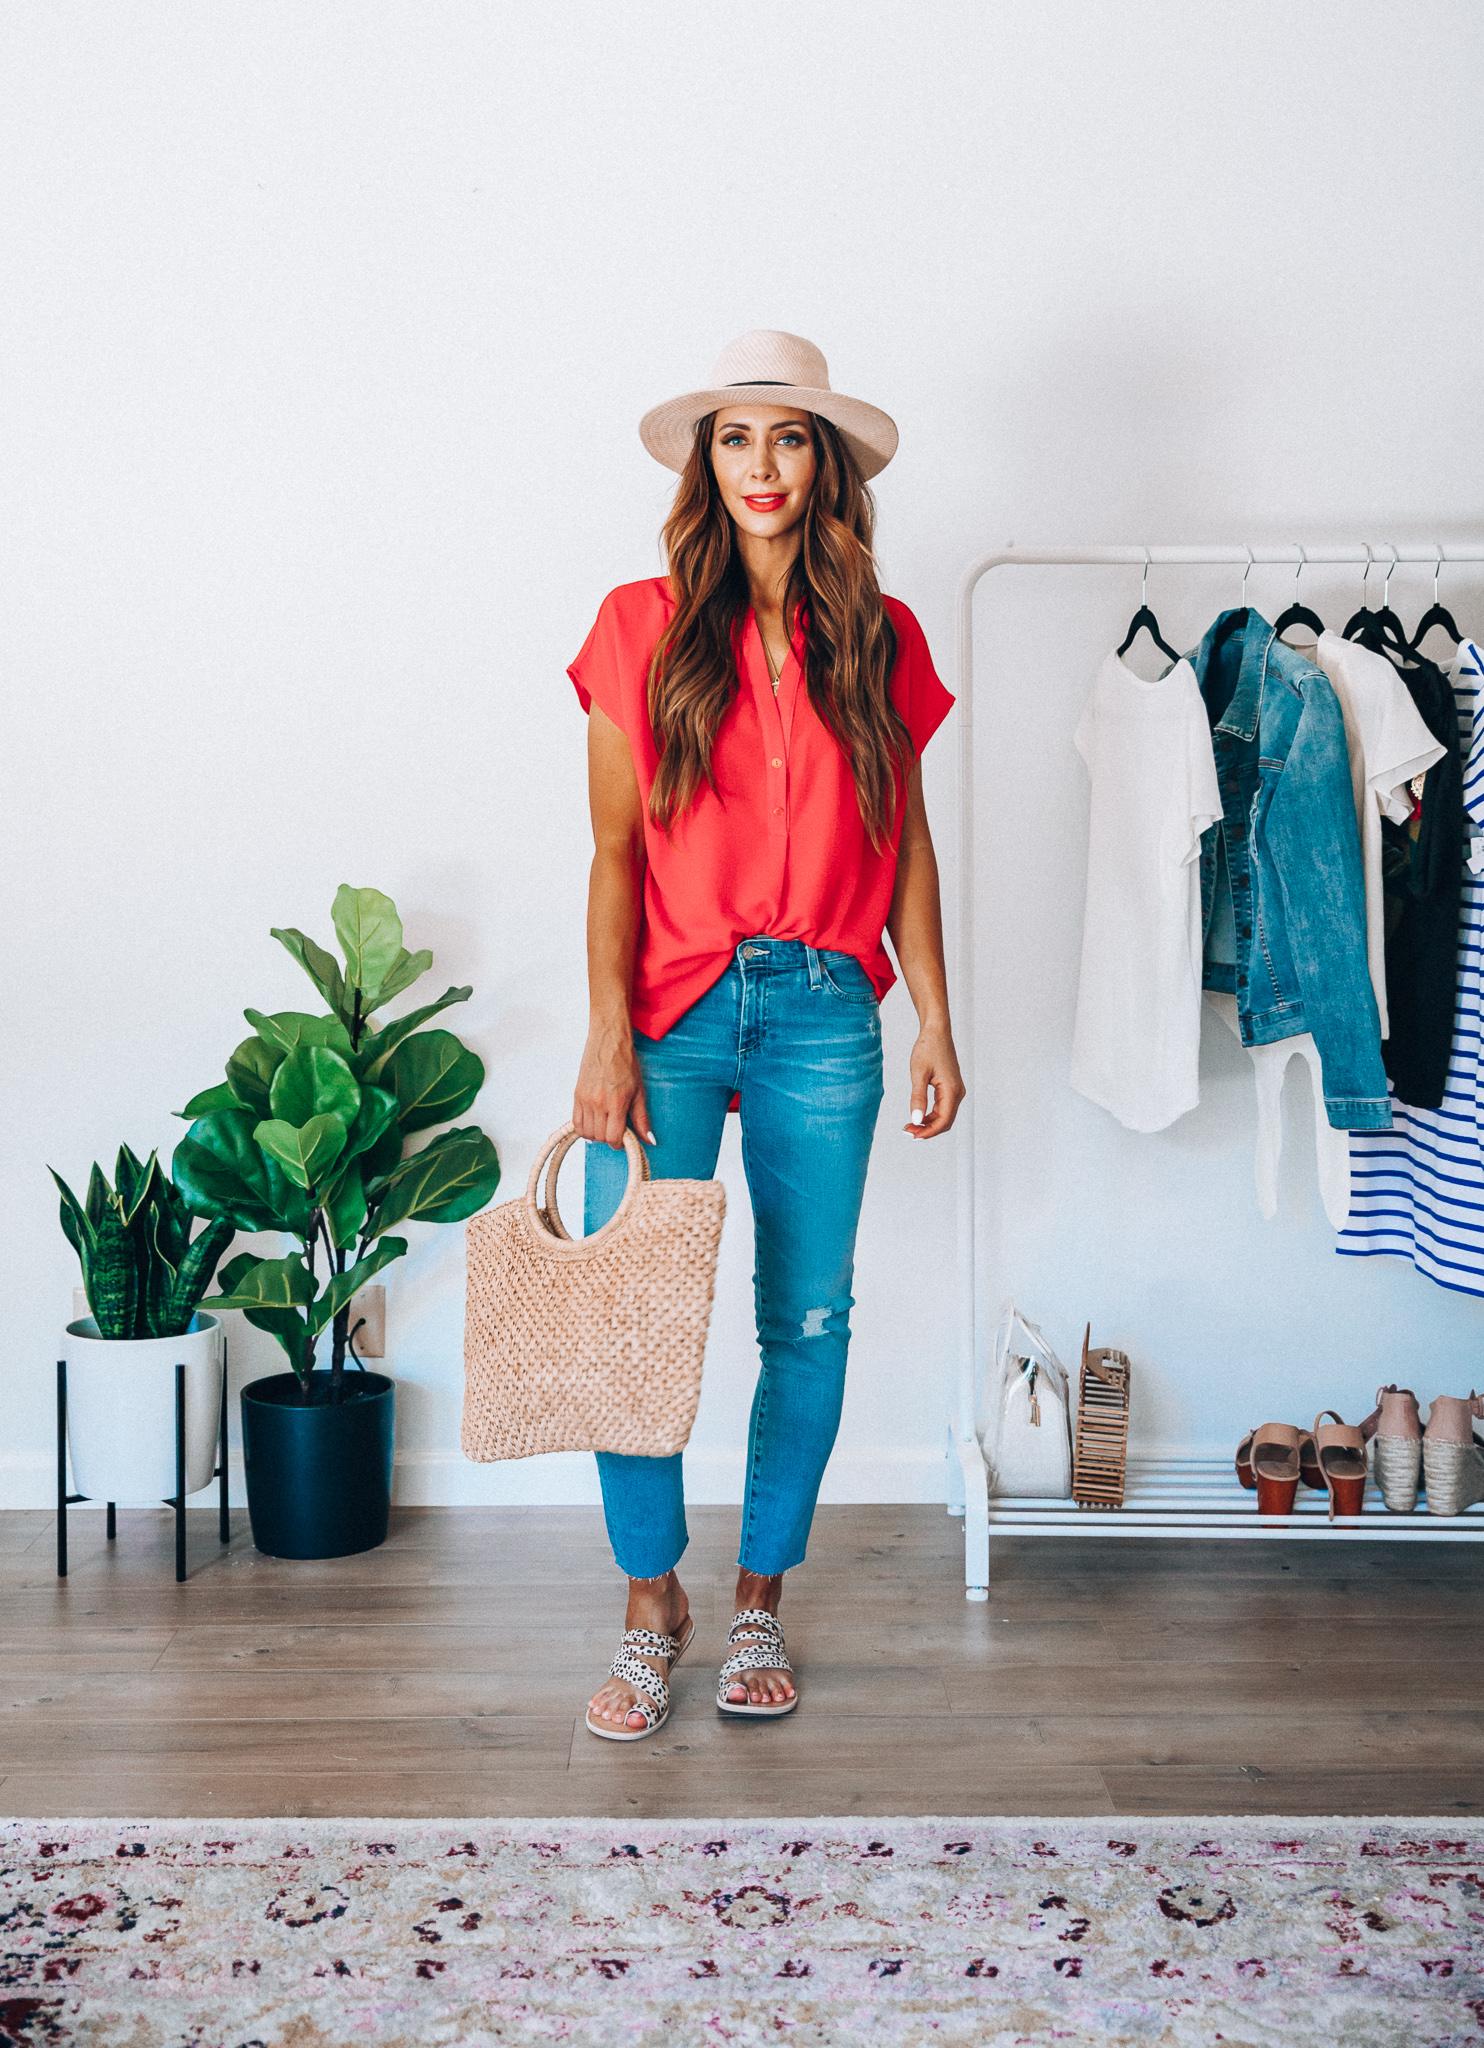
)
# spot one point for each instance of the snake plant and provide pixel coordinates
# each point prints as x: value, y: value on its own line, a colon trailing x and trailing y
x: 307, y: 1133
x: 144, y: 1276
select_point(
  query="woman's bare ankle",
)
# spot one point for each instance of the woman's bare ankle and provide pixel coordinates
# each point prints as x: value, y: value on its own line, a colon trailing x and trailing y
x: 756, y: 1591
x: 658, y: 1603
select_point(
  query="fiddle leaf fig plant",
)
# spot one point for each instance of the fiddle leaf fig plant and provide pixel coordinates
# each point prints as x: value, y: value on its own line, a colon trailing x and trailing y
x: 143, y: 1273
x: 307, y: 1134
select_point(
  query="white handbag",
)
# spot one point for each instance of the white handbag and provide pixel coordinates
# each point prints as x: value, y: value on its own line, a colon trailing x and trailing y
x: 1028, y: 1438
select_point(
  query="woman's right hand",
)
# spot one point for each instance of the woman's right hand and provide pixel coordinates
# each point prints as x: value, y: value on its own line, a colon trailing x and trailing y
x: 610, y: 1087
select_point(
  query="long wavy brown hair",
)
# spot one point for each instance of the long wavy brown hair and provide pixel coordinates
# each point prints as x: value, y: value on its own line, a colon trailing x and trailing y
x: 850, y: 645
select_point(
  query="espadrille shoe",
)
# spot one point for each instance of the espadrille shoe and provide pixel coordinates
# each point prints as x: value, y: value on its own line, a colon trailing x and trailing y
x: 1398, y: 1434
x: 1452, y: 1457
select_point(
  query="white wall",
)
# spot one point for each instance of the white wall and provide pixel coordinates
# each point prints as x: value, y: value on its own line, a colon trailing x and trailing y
x: 325, y: 331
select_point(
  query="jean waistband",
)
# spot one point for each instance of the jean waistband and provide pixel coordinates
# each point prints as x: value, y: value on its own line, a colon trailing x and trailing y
x: 777, y: 956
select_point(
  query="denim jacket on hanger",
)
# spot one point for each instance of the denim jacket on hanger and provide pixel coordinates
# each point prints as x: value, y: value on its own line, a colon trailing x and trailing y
x: 1287, y: 937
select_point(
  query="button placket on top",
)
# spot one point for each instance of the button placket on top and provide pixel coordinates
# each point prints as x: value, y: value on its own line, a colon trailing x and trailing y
x: 775, y: 714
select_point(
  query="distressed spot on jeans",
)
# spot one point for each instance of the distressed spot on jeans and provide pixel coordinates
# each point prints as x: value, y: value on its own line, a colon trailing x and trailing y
x: 814, y: 1322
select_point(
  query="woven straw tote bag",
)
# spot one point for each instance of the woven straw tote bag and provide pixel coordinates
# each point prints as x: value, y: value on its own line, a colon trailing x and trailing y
x: 593, y: 1345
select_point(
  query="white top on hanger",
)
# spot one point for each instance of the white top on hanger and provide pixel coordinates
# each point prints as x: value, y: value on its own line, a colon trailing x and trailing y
x: 1137, y: 1041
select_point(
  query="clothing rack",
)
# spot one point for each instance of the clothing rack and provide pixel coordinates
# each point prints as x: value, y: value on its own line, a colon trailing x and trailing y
x: 1164, y: 1497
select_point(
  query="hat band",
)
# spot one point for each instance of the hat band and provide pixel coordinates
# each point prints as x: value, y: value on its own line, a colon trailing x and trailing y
x: 746, y: 383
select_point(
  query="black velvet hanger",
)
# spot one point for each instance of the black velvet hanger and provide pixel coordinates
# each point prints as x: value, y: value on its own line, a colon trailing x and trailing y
x: 1144, y: 621
x: 1382, y: 631
x: 1298, y: 614
x: 1436, y: 615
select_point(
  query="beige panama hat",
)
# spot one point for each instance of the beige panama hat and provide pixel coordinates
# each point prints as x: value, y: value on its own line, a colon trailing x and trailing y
x: 770, y: 368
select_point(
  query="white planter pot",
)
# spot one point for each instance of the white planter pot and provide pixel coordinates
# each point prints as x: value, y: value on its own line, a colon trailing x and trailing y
x: 121, y: 1411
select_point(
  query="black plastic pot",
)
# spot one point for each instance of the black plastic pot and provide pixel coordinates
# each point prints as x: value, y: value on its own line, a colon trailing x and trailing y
x: 319, y: 1477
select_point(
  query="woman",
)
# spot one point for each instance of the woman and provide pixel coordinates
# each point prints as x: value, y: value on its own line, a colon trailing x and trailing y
x: 755, y: 725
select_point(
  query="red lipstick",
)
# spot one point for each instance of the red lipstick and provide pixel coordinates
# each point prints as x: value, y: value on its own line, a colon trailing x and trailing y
x: 767, y: 504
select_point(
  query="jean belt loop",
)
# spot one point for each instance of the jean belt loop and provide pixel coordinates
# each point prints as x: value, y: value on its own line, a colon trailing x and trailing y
x: 816, y: 979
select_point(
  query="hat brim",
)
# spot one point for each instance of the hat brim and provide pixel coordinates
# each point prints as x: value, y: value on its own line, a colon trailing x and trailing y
x: 668, y: 431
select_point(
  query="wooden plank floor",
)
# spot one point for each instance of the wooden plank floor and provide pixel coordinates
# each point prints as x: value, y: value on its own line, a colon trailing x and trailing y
x: 446, y: 1674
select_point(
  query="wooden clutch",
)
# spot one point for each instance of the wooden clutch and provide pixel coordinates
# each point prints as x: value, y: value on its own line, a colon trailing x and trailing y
x: 1101, y: 1454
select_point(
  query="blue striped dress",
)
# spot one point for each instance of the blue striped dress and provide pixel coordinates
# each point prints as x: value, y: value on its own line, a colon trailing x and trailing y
x: 1417, y: 1190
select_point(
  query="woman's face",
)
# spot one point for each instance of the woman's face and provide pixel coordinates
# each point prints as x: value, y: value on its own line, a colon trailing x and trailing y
x: 763, y: 460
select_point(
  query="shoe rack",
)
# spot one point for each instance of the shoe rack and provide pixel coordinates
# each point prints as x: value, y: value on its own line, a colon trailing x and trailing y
x: 1164, y: 1497
x: 1201, y: 1497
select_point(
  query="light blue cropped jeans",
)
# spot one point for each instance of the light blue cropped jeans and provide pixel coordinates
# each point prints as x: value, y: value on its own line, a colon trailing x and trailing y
x: 797, y: 1033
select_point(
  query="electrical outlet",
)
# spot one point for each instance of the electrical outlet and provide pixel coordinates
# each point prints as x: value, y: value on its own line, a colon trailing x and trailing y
x: 370, y: 1305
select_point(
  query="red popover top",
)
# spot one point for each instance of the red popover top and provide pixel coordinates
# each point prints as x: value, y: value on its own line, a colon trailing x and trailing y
x: 777, y: 849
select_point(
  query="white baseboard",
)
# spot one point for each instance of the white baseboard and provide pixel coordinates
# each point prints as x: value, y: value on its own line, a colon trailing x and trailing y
x: 28, y: 1479
x: 445, y: 1478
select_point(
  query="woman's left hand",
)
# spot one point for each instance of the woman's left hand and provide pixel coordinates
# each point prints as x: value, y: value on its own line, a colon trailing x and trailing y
x: 935, y: 1067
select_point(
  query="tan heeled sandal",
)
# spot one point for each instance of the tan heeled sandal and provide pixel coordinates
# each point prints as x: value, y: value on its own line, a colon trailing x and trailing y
x: 1309, y: 1472
x: 653, y: 1695
x: 1341, y: 1448
x: 1452, y: 1457
x: 1244, y: 1461
x: 1275, y: 1460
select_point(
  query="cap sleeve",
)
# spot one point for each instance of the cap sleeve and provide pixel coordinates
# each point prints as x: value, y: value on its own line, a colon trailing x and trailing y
x: 598, y: 672
x: 916, y: 690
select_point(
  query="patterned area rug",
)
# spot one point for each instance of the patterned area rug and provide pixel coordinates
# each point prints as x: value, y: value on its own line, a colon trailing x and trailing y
x: 271, y: 1934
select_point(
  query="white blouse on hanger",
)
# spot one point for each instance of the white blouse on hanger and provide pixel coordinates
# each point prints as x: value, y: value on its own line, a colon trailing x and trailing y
x: 1136, y: 1043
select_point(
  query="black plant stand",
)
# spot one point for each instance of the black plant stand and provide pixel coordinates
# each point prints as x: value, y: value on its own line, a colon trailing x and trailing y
x: 65, y: 1499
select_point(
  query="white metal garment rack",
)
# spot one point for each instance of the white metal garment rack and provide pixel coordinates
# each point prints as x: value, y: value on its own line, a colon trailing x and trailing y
x: 1164, y: 1497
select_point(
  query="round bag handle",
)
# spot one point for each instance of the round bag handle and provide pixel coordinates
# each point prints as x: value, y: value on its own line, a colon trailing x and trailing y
x: 556, y: 1148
